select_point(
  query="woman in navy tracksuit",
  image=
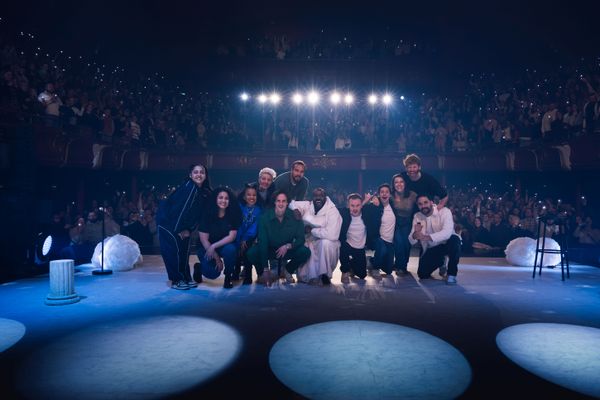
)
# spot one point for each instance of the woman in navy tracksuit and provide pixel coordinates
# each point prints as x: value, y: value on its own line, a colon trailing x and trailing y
x: 177, y: 217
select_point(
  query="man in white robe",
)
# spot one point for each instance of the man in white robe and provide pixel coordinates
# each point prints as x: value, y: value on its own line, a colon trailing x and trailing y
x: 323, y: 223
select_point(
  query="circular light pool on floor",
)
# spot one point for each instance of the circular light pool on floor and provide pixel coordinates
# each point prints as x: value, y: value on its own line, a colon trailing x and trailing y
x: 368, y: 360
x: 132, y: 359
x: 11, y: 332
x: 567, y: 355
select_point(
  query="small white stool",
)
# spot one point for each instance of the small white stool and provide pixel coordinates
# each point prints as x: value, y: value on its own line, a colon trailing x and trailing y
x: 62, y: 282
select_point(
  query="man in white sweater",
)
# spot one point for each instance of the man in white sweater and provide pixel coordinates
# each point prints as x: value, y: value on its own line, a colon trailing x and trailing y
x: 324, y: 221
x: 434, y: 229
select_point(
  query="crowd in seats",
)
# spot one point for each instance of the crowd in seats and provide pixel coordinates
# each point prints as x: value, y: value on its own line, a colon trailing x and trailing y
x: 489, y: 111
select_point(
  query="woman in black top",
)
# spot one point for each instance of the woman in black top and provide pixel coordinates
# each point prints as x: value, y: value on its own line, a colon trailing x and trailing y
x: 178, y: 215
x: 403, y: 203
x: 218, y: 230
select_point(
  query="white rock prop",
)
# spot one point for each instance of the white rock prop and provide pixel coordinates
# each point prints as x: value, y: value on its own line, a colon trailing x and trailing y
x: 521, y: 252
x: 120, y: 253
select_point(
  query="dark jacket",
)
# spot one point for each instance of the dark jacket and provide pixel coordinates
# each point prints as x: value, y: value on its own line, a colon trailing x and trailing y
x: 182, y: 210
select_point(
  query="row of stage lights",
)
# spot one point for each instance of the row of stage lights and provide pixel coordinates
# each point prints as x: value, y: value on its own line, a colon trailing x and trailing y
x: 313, y: 98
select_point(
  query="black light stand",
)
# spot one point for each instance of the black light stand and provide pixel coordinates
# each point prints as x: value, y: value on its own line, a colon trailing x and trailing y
x: 102, y: 271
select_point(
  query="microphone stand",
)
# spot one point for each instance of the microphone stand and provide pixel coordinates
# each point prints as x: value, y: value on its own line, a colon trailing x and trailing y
x: 102, y: 271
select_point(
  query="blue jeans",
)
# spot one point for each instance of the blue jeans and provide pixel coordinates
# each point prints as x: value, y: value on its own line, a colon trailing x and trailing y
x: 227, y: 252
x: 401, y: 247
x: 384, y: 256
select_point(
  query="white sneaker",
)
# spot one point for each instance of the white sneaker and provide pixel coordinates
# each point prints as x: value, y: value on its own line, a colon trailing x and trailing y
x: 375, y: 273
x: 345, y: 277
x: 444, y: 268
x: 288, y: 277
x: 451, y: 280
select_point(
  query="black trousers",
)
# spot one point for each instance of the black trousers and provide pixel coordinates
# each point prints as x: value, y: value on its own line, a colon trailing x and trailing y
x: 353, y: 259
x: 433, y: 258
x: 295, y: 257
x: 175, y: 253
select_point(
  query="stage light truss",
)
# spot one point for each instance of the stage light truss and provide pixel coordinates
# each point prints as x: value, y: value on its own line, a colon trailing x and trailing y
x: 313, y: 97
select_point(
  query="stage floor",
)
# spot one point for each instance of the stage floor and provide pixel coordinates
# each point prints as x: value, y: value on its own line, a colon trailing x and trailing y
x: 132, y: 336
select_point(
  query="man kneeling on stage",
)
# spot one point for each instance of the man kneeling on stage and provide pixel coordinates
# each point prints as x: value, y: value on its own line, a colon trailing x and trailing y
x: 434, y: 229
x: 323, y: 223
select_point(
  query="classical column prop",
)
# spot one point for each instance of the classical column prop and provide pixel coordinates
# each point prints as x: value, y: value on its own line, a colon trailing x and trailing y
x: 62, y: 283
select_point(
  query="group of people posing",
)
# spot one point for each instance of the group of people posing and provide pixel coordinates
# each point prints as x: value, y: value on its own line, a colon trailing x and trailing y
x: 270, y: 226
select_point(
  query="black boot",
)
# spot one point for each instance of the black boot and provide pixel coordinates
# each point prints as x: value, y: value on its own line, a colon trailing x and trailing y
x: 227, y: 284
x: 197, y: 273
x: 236, y: 272
x: 247, y: 275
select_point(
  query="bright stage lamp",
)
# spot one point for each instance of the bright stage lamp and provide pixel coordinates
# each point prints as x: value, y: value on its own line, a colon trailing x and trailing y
x: 386, y: 99
x: 297, y: 98
x: 244, y: 97
x: 274, y: 98
x: 401, y: 97
x: 313, y: 98
x: 47, y: 246
x: 335, y: 98
x: 348, y: 99
x: 372, y: 99
x: 262, y: 98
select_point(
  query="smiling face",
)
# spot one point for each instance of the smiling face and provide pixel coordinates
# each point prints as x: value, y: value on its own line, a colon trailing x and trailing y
x: 222, y: 200
x: 319, y: 199
x: 384, y: 195
x: 399, y: 184
x: 413, y: 171
x: 424, y: 205
x: 355, y: 207
x: 265, y: 180
x: 281, y: 203
x: 297, y: 173
x: 250, y: 196
x: 198, y: 175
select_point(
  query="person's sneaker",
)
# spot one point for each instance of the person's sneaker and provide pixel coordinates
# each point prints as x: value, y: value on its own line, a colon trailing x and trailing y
x: 345, y: 277
x: 180, y: 285
x: 444, y: 268
x: 265, y: 278
x: 451, y: 280
x: 191, y: 284
x: 375, y: 273
x: 288, y: 277
x: 325, y: 279
x: 400, y: 272
x: 197, y: 273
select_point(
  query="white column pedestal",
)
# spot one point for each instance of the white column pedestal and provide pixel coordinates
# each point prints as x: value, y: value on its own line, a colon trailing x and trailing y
x: 62, y: 283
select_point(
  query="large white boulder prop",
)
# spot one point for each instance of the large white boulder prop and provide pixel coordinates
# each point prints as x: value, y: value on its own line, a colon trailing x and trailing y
x: 521, y: 252
x: 120, y: 253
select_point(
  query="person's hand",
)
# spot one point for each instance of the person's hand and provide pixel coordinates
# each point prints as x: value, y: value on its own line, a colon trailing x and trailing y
x: 297, y: 215
x: 210, y: 252
x: 184, y: 234
x: 417, y: 234
x: 243, y: 246
x: 280, y: 253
